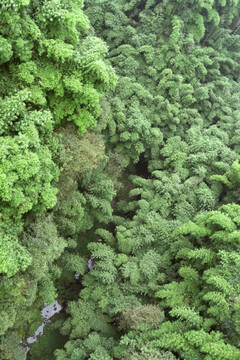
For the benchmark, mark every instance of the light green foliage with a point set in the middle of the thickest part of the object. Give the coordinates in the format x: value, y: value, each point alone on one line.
x: 13, y: 256
x: 28, y: 173
x: 166, y: 242
x: 52, y: 71
x: 27, y: 167
x: 191, y: 344
x: 203, y: 250
x: 148, y: 355
x: 68, y: 75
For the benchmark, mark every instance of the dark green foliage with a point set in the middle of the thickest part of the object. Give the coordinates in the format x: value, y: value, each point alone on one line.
x: 85, y: 192
x: 135, y: 224
x: 175, y: 101
x: 47, y: 344
x: 85, y: 318
x: 10, y: 348
x: 20, y: 294
x: 95, y: 346
x: 168, y: 82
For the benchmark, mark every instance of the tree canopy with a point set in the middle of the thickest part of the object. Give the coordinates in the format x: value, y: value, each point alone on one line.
x: 119, y: 178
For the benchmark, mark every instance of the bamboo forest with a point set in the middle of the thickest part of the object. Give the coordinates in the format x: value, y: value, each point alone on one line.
x: 120, y: 179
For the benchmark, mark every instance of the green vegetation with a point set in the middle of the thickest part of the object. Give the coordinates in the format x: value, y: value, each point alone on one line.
x: 119, y: 162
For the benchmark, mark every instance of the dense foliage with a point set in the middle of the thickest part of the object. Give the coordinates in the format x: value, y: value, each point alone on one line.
x: 52, y: 71
x: 129, y: 181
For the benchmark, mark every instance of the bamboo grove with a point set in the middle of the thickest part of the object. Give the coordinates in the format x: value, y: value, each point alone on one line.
x: 119, y: 143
